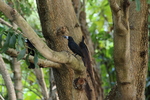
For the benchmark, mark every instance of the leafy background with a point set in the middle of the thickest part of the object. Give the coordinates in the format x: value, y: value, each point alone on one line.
x: 99, y: 19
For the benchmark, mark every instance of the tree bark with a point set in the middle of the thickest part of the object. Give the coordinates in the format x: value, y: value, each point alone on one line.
x: 130, y: 49
x: 7, y: 80
x: 139, y: 45
x: 17, y: 78
x: 79, y: 8
x: 58, y: 19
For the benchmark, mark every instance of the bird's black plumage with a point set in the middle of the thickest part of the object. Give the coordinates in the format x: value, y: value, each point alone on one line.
x: 82, y: 45
x: 87, y: 59
x: 73, y: 46
x: 31, y: 52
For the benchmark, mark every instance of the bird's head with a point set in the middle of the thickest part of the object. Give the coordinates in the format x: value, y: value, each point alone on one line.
x: 67, y: 37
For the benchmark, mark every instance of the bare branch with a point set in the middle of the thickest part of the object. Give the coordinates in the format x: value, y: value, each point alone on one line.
x: 114, y: 6
x: 120, y: 11
x: 1, y: 98
x: 40, y: 78
x: 9, y: 25
x: 53, y: 93
x: 7, y: 79
x: 41, y: 62
x: 33, y: 90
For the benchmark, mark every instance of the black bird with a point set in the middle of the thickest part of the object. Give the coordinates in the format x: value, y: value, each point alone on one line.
x: 73, y: 46
x: 31, y: 52
x: 87, y: 59
x: 85, y: 53
x: 82, y: 45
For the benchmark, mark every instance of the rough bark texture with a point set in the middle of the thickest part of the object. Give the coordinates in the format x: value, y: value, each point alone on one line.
x: 123, y: 66
x: 7, y: 80
x: 57, y: 19
x: 17, y: 79
x: 79, y: 8
x: 139, y: 46
x: 130, y: 49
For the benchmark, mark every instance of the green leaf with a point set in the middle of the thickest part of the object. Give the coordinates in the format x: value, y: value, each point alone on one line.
x: 6, y: 44
x: 36, y: 59
x: 21, y: 54
x: 12, y: 41
x: 8, y: 37
x: 20, y: 40
x: 4, y: 48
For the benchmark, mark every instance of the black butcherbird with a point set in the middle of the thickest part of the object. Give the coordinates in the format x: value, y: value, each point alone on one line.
x: 31, y: 52
x: 73, y: 46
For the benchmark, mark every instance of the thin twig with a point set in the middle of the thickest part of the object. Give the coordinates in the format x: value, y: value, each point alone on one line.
x: 9, y: 25
x: 1, y: 98
x: 35, y: 92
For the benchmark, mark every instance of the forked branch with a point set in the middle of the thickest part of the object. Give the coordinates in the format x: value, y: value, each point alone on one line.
x: 28, y: 32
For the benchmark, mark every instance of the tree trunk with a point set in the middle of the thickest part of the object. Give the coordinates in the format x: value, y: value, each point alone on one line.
x: 79, y: 8
x: 139, y: 46
x: 58, y: 19
x: 130, y: 49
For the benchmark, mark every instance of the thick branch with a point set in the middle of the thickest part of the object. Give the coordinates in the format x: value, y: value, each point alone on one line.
x: 9, y: 25
x: 114, y: 6
x: 12, y: 14
x: 120, y: 15
x: 28, y: 32
x: 7, y: 79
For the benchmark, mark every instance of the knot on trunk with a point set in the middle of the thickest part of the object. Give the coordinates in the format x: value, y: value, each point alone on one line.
x: 79, y: 83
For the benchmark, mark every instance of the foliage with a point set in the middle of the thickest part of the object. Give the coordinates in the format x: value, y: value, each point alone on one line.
x: 100, y: 26
x: 10, y: 39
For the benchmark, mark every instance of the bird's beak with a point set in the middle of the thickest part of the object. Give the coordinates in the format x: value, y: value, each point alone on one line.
x: 66, y: 37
